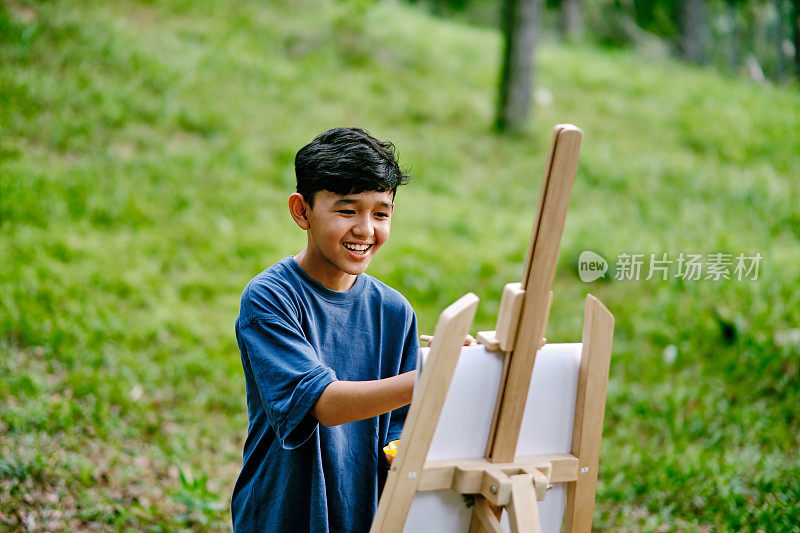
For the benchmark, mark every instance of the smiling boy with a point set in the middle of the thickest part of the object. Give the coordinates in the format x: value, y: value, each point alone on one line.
x: 328, y: 351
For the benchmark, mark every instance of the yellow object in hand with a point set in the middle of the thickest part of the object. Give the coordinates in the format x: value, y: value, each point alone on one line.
x: 391, y: 448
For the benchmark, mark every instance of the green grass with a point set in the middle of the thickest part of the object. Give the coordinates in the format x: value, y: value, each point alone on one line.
x: 146, y: 156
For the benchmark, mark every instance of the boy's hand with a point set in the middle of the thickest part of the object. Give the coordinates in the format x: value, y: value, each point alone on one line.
x: 469, y: 340
x: 390, y: 450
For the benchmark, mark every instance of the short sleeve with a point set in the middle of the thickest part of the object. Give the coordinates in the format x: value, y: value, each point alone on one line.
x: 289, y: 375
x: 407, y: 364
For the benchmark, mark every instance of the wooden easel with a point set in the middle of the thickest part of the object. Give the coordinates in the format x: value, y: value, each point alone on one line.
x: 500, y: 479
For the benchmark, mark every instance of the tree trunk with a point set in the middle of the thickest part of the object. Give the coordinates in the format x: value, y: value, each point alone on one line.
x: 694, y: 30
x: 572, y: 19
x: 780, y: 62
x: 733, y: 49
x: 796, y: 35
x: 520, y: 26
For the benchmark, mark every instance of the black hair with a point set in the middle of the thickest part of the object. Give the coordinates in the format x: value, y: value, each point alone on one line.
x: 347, y: 161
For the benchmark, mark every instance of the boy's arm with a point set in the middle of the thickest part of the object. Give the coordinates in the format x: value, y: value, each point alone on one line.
x: 348, y: 401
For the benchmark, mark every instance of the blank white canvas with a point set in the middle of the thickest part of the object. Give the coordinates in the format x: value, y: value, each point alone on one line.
x: 463, y: 430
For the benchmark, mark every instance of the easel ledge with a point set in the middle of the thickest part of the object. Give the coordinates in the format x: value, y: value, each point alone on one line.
x: 467, y: 475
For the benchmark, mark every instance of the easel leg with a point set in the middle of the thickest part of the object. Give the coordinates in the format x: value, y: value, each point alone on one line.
x: 485, y: 513
x: 403, y: 478
x: 477, y: 524
x: 523, y: 511
x: 598, y: 331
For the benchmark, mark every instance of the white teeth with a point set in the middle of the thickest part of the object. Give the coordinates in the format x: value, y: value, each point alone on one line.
x: 357, y: 247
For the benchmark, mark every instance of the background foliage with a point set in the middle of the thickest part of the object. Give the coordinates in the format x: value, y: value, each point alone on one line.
x: 146, y: 155
x: 756, y: 38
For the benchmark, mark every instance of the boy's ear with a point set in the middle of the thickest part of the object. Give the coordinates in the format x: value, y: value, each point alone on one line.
x: 298, y: 208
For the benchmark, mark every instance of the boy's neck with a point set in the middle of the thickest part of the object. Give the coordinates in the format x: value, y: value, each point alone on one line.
x: 326, y: 274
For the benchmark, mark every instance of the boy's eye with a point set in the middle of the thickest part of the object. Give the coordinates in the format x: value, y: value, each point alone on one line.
x: 346, y: 211
x: 382, y: 215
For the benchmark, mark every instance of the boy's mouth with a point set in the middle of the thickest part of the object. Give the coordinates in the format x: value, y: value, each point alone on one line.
x: 358, y: 249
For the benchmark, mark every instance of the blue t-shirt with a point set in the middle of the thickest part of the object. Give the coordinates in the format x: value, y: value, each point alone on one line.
x: 296, y: 337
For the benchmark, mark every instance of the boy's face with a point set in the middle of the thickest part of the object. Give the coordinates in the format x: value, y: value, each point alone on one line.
x: 344, y: 233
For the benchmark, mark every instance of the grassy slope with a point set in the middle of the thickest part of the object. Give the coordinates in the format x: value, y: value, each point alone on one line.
x: 146, y: 156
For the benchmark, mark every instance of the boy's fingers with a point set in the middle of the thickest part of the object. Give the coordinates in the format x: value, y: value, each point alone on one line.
x: 469, y: 340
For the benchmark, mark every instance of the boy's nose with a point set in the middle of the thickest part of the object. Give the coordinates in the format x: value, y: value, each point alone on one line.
x: 363, y: 228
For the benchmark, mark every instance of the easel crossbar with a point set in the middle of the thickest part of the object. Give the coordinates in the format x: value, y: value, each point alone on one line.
x: 467, y: 475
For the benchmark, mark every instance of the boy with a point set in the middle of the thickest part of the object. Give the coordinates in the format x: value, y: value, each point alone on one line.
x: 328, y: 351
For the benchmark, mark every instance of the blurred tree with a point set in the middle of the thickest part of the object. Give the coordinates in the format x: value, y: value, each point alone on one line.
x: 796, y: 35
x: 443, y: 8
x: 761, y: 37
x: 694, y: 30
x: 520, y: 21
x: 658, y: 17
x: 732, y: 53
x: 780, y: 56
x: 572, y: 19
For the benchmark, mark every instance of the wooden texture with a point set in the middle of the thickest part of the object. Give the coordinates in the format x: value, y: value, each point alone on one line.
x: 497, y: 404
x: 548, y: 166
x: 489, y: 340
x: 540, y: 480
x: 465, y: 475
x: 543, y: 256
x: 587, y: 432
x: 423, y: 415
x: 495, y: 487
x: 508, y: 316
x: 523, y: 511
x: 502, y: 339
x: 484, y: 513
